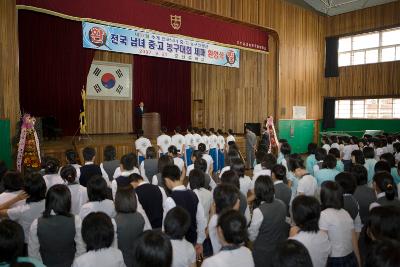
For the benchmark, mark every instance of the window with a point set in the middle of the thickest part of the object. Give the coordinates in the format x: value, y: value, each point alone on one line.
x: 369, y: 48
x: 376, y: 108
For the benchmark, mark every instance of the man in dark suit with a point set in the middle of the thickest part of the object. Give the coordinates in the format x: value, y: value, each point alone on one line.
x: 139, y: 111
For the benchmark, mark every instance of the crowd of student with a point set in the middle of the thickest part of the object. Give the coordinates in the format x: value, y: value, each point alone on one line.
x: 189, y: 202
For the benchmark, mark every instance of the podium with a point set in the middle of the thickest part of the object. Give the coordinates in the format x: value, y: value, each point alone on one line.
x: 151, y: 124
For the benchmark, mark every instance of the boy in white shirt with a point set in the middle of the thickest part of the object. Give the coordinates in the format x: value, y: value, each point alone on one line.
x: 189, y: 145
x: 163, y: 142
x: 197, y: 137
x: 208, y: 158
x: 141, y: 144
x: 230, y: 137
x: 178, y: 140
x: 346, y: 153
x: 205, y: 139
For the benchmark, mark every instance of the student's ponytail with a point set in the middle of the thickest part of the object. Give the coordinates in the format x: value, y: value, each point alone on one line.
x: 385, y: 183
x: 390, y: 192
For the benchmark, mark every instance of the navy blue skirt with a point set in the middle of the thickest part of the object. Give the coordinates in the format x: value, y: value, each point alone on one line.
x: 346, y: 261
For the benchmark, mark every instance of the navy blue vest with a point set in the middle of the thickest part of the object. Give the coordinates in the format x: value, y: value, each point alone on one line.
x: 87, y: 172
x: 151, y: 199
x: 189, y: 201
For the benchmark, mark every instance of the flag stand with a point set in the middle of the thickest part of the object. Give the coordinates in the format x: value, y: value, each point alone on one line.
x: 83, y: 135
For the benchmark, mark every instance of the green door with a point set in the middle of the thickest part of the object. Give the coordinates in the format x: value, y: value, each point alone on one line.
x: 299, y: 133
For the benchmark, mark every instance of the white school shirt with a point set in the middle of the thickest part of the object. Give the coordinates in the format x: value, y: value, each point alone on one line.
x: 221, y: 142
x: 103, y: 173
x: 183, y: 253
x: 230, y: 138
x: 200, y: 218
x: 77, y: 169
x: 205, y: 140
x: 347, y: 149
x: 390, y: 148
x: 258, y: 174
x: 307, y: 185
x: 340, y: 227
x: 164, y: 141
x: 189, y: 169
x: 179, y: 162
x: 326, y: 147
x: 209, y: 161
x: 197, y: 140
x: 213, y: 141
x: 245, y: 185
x: 231, y: 258
x: 106, y: 206
x: 317, y: 244
x: 378, y: 152
x: 257, y: 168
x: 118, y: 173
x: 189, y: 141
x: 206, y: 199
x: 79, y: 197
x: 335, y: 145
x: 397, y: 157
x: 26, y: 214
x: 52, y: 179
x: 178, y: 140
x: 141, y: 145
x: 212, y: 233
x: 6, y: 196
x: 105, y: 257
x: 316, y: 166
x: 34, y: 244
x: 376, y: 204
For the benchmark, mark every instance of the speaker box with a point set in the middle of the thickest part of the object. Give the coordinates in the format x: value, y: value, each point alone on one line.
x: 254, y: 127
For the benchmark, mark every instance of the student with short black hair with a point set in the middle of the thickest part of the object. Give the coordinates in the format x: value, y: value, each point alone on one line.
x: 339, y: 226
x: 282, y: 190
x: 328, y: 170
x: 232, y: 233
x: 98, y: 235
x: 98, y: 198
x: 141, y: 145
x: 370, y: 161
x: 382, y: 166
x: 176, y: 224
x: 292, y: 253
x: 149, y: 166
x: 310, y: 161
x: 163, y: 161
x: 201, y: 164
x: 56, y: 249
x: 12, y: 246
x: 110, y: 163
x: 79, y: 194
x: 51, y: 176
x: 197, y: 184
x: 325, y: 143
x: 230, y: 155
x: 180, y: 196
x: 336, y: 153
x: 357, y: 157
x: 269, y: 161
x: 210, y: 162
x: 389, y: 158
x: 153, y: 249
x: 90, y: 169
x: 226, y: 196
x: 307, y: 184
x: 246, y: 185
x: 130, y: 223
x: 285, y: 149
x: 268, y: 225
x: 13, y: 184
x: 71, y: 156
x: 34, y: 194
x: 385, y: 189
x: 384, y: 223
x: 174, y: 154
x: 126, y: 167
x: 306, y: 213
x: 260, y: 154
x: 385, y: 253
x: 196, y: 155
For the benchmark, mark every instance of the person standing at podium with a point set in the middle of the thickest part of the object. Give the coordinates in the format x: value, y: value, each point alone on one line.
x: 139, y: 111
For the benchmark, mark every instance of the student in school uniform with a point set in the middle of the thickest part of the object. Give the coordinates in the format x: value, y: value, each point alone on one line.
x: 97, y: 193
x: 98, y: 235
x: 291, y: 253
x: 153, y: 249
x: 151, y: 198
x: 310, y: 161
x: 196, y: 137
x: 282, y: 190
x: 157, y: 179
x: 178, y: 140
x: 306, y: 213
x: 79, y: 194
x: 238, y: 166
x: 334, y: 142
x: 384, y: 253
x: 182, y: 197
x: 357, y: 157
x: 207, y: 157
x: 221, y: 149
x: 55, y: 238
x: 226, y: 197
x: 325, y: 143
x: 285, y: 149
x: 213, y: 146
x: 205, y: 139
x: 384, y: 223
x: 195, y: 156
x: 90, y: 169
x: 385, y: 190
x: 189, y: 145
x: 280, y: 156
x: 51, y: 176
x: 230, y: 155
x: 13, y: 184
x: 389, y: 158
x: 268, y: 162
x: 396, y: 148
x: 71, y: 157
x: 149, y: 167
x: 268, y: 225
x: 135, y: 169
x: 339, y: 226
x: 141, y: 145
x: 127, y: 167
x: 34, y: 195
x: 174, y: 154
x: 328, y: 171
x: 293, y: 181
x: 339, y: 164
x: 12, y: 246
x: 370, y: 161
x: 232, y: 233
x: 110, y: 163
x: 176, y: 225
x: 307, y: 184
x: 320, y: 155
x: 346, y: 153
x: 197, y: 185
x: 201, y: 164
x: 260, y: 154
x: 230, y: 137
x: 163, y: 142
x: 130, y: 223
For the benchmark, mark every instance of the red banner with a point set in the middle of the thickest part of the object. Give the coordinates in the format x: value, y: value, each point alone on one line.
x: 150, y: 16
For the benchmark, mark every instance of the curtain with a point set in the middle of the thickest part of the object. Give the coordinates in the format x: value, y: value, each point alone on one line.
x: 328, y: 113
x: 164, y: 85
x: 53, y: 67
x: 331, y: 57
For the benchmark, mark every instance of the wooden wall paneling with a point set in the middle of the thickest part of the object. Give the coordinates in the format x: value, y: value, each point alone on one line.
x: 9, y: 71
x: 110, y: 116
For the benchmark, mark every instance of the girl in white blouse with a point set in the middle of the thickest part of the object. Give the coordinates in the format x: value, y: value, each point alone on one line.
x: 79, y: 194
x: 51, y: 176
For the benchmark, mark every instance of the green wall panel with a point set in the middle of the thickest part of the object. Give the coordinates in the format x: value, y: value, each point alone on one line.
x: 389, y: 126
x: 299, y: 133
x: 5, y: 144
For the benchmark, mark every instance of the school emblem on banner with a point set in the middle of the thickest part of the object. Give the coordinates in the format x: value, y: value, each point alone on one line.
x: 109, y: 81
x: 176, y: 22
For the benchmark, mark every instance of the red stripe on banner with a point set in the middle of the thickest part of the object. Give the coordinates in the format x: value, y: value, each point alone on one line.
x: 154, y: 17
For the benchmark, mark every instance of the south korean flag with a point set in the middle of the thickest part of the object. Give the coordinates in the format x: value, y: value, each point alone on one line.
x: 109, y: 81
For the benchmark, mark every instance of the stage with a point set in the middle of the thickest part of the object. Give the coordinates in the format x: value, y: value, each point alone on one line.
x: 124, y: 143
